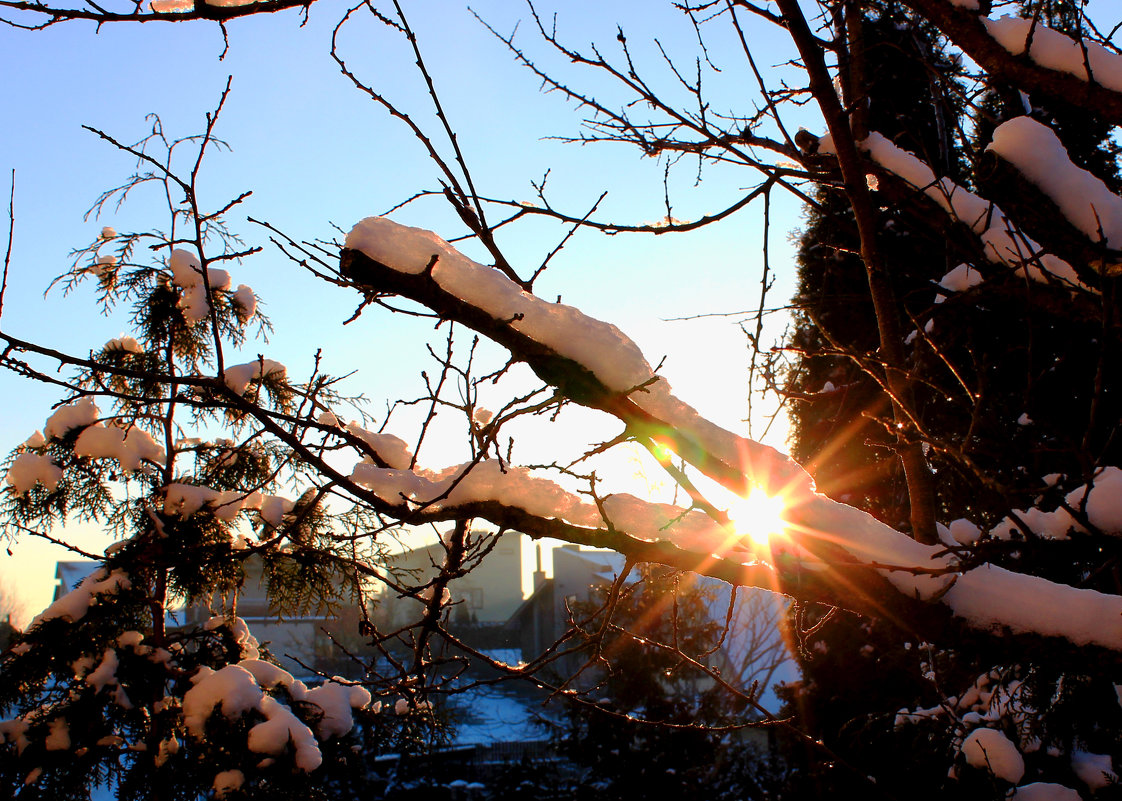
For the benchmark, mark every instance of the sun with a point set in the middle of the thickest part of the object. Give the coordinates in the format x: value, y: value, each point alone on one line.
x: 759, y: 517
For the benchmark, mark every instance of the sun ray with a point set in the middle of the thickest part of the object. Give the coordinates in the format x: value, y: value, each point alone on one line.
x: 758, y: 517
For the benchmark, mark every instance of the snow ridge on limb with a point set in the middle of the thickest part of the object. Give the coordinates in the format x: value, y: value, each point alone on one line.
x: 1001, y: 241
x: 592, y: 362
x: 1072, y: 197
x: 1054, y: 67
x: 598, y: 366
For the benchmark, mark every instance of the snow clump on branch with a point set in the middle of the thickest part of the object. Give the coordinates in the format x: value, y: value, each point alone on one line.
x: 1085, y: 201
x: 1055, y: 51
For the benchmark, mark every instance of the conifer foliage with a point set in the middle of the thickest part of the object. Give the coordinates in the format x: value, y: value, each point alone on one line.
x: 1007, y: 381
x: 108, y: 687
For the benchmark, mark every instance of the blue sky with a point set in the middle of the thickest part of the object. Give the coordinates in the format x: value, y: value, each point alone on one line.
x: 316, y: 152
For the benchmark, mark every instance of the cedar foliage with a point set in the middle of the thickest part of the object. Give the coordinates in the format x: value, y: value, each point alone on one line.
x: 1034, y: 409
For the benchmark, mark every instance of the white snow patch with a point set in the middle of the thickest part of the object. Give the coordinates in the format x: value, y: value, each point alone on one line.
x: 171, y: 6
x: 238, y: 376
x: 58, y: 736
x: 29, y: 469
x: 129, y: 449
x: 74, y: 605
x: 1044, y: 791
x: 280, y: 728
x: 226, y: 781
x: 123, y: 343
x: 245, y: 302
x: 992, y: 750
x: 390, y: 449
x: 1094, y: 770
x: 1036, y: 151
x: 960, y: 279
x: 80, y: 413
x: 1055, y: 51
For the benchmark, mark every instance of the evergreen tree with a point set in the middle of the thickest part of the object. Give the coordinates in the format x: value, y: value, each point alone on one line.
x: 107, y: 686
x: 1005, y: 391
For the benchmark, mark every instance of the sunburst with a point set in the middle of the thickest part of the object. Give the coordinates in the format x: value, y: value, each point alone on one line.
x: 758, y: 517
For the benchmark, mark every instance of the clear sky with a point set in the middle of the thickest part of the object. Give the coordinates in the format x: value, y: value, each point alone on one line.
x: 315, y: 153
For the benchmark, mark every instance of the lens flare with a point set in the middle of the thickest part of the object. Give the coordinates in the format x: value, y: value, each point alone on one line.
x: 759, y: 517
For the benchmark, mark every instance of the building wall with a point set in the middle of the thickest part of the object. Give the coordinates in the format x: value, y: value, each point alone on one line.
x: 490, y: 593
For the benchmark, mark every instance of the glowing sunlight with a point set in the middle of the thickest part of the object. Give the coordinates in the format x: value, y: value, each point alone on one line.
x: 759, y: 516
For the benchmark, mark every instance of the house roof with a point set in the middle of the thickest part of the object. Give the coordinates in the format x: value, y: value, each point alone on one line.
x: 69, y: 574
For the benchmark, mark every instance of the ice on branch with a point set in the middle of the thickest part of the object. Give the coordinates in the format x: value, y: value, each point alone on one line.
x: 518, y: 488
x: 1036, y: 151
x: 994, y: 598
x: 1055, y: 51
x: 74, y: 605
x: 80, y: 413
x: 30, y: 469
x: 129, y: 449
x: 1003, y: 243
x: 485, y: 481
x: 599, y: 347
x: 987, y: 597
x: 238, y: 376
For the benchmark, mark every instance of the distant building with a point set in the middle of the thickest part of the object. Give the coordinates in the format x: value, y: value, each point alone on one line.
x: 544, y: 617
x: 70, y: 574
x: 302, y: 643
x: 489, y: 594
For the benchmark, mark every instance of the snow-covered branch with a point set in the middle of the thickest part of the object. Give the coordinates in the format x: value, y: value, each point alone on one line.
x: 593, y: 363
x: 1082, y: 73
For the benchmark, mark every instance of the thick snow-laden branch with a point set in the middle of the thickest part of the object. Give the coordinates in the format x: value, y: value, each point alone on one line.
x: 1056, y: 65
x: 597, y: 365
x: 590, y: 361
x: 1001, y: 241
x: 1049, y: 49
x: 1073, y: 212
